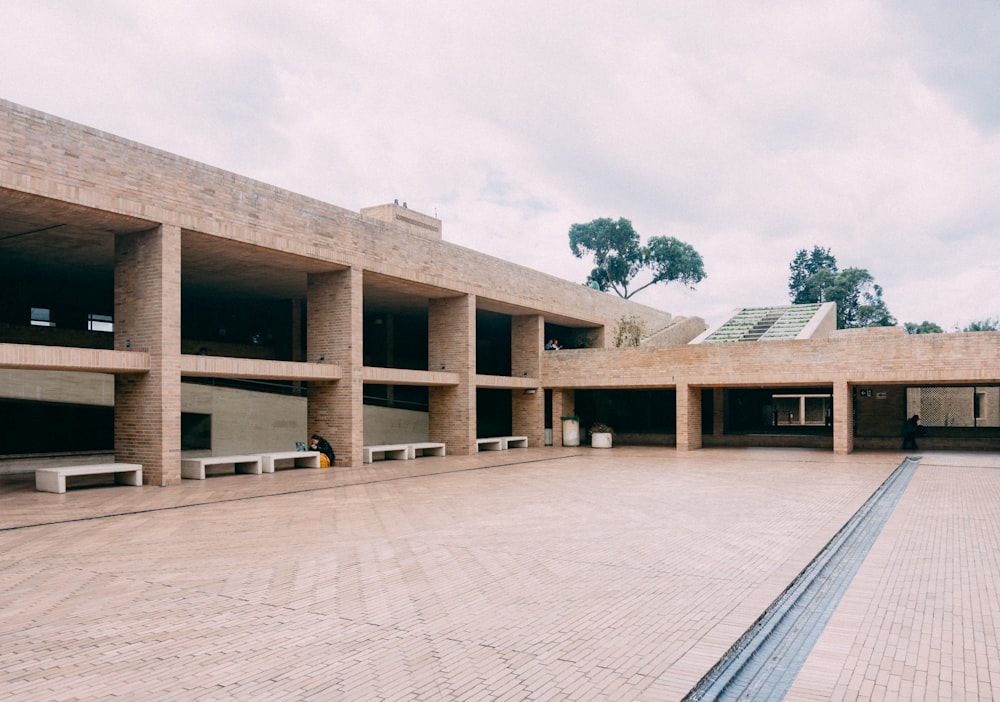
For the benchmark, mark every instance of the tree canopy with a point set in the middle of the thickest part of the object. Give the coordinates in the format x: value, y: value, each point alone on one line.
x: 924, y: 327
x: 988, y: 324
x: 816, y: 278
x: 619, y: 257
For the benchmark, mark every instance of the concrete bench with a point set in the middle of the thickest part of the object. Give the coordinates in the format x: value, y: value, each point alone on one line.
x: 194, y: 468
x: 397, y: 451
x: 54, y: 479
x: 289, y: 459
x: 501, y: 443
x: 426, y: 448
x: 490, y: 444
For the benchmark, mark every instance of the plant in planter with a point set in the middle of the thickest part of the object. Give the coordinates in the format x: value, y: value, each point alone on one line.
x: 601, y: 435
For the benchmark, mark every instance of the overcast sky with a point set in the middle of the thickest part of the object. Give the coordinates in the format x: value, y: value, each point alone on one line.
x: 747, y: 129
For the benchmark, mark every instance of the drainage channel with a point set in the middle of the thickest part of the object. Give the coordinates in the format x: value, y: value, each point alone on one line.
x: 762, y: 664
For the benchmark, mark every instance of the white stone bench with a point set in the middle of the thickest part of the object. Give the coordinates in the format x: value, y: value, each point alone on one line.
x: 397, y: 451
x: 194, y: 468
x: 490, y: 444
x: 501, y: 443
x: 54, y: 479
x: 289, y: 459
x: 426, y: 448
x: 514, y: 441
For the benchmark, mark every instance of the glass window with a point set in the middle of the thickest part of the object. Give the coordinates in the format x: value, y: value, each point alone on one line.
x: 41, y: 317
x: 100, y: 322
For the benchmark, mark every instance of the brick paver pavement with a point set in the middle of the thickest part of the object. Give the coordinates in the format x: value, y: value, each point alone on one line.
x: 541, y: 574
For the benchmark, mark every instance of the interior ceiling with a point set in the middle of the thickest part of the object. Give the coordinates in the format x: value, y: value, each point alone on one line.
x: 54, y: 236
x: 60, y: 239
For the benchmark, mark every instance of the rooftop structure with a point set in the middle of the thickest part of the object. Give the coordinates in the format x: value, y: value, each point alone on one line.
x: 773, y: 324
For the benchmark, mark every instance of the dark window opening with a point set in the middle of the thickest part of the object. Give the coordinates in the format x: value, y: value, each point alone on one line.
x: 494, y: 412
x: 196, y: 431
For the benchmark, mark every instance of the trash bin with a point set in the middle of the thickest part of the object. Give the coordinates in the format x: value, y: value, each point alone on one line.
x: 570, y: 431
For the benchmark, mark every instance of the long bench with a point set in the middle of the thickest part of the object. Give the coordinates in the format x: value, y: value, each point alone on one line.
x: 426, y: 448
x: 515, y: 441
x: 501, y: 443
x: 490, y: 444
x: 289, y: 459
x: 194, y: 468
x: 54, y: 479
x: 398, y: 451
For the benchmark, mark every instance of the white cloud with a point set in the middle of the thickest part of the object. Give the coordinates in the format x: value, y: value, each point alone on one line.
x: 749, y: 130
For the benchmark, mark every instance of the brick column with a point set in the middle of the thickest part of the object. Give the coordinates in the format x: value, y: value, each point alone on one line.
x: 527, y: 338
x: 334, y: 333
x: 843, y: 418
x: 148, y: 318
x: 688, y: 417
x: 451, y: 347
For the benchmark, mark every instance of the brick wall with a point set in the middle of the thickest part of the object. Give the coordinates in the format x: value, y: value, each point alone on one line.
x: 856, y: 359
x: 54, y: 158
x: 48, y: 164
x: 334, y: 319
x: 451, y: 331
x: 527, y: 342
x: 147, y: 319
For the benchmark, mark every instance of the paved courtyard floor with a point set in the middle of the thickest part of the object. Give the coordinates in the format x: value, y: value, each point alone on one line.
x: 530, y: 574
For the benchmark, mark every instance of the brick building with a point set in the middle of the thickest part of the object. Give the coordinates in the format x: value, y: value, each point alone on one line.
x: 152, y: 306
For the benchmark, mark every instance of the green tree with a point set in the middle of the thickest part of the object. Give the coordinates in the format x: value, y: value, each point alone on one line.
x: 812, y: 271
x: 988, y: 324
x: 816, y: 278
x: 924, y: 327
x: 619, y: 257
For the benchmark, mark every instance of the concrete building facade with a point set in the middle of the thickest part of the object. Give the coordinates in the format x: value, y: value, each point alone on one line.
x: 141, y: 290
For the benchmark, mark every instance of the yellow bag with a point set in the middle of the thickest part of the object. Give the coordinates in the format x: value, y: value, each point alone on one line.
x: 324, y: 461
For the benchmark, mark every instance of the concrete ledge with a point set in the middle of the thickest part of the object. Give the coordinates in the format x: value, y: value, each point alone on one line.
x: 257, y: 369
x: 68, y: 358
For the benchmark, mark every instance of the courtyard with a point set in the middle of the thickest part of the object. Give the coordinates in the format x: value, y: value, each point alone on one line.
x: 534, y: 574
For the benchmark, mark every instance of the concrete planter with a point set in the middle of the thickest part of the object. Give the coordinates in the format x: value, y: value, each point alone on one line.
x: 600, y: 439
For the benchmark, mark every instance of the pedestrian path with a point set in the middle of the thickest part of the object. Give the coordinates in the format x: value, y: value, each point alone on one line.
x: 566, y: 575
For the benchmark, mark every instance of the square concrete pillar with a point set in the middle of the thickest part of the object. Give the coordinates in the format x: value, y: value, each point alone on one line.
x: 688, y: 417
x: 148, y: 318
x: 527, y: 340
x: 451, y: 347
x: 843, y: 418
x: 334, y: 335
